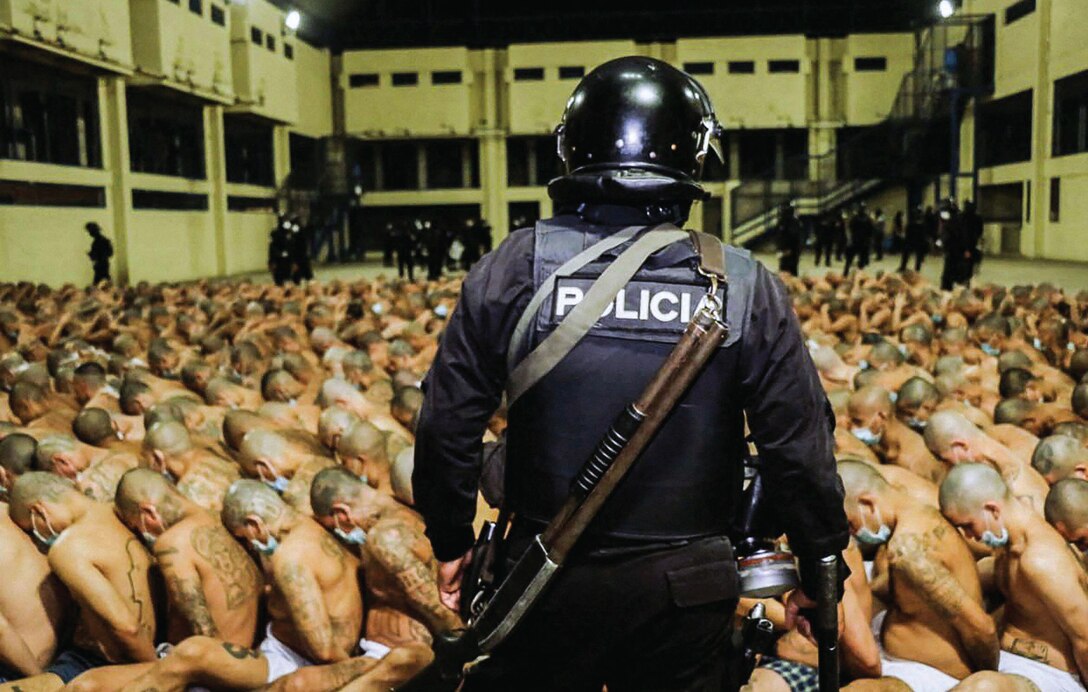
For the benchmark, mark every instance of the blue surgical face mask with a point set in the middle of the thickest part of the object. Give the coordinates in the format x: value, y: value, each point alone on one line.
x: 279, y: 484
x: 990, y: 540
x: 354, y: 537
x: 45, y: 541
x: 904, y: 350
x: 867, y: 536
x: 377, y: 308
x: 867, y: 436
x: 441, y: 310
x: 937, y: 319
x: 916, y: 424
x: 863, y: 364
x: 265, y: 549
x: 894, y: 396
x: 148, y: 538
x: 990, y: 350
x: 1037, y: 343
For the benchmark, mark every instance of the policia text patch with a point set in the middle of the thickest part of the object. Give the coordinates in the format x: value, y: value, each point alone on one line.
x: 651, y: 310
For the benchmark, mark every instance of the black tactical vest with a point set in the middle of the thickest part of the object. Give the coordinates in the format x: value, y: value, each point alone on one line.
x: 687, y: 482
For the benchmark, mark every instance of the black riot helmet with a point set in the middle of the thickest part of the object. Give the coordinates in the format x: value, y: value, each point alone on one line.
x: 638, y: 113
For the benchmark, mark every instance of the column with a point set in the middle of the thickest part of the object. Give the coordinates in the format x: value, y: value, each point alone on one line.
x: 215, y: 158
x: 1041, y: 125
x: 114, y: 130
x: 493, y: 150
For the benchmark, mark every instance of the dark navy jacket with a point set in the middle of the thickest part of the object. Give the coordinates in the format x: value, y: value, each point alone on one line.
x: 687, y: 482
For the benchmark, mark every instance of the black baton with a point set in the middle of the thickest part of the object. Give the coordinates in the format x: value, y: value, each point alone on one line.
x: 827, y: 623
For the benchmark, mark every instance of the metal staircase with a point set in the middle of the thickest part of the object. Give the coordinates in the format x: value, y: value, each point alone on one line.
x: 917, y: 143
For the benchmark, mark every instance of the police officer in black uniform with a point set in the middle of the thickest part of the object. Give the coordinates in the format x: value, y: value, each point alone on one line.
x: 279, y: 251
x: 646, y: 600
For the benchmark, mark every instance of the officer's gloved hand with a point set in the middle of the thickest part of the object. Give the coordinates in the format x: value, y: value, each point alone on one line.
x: 800, y: 613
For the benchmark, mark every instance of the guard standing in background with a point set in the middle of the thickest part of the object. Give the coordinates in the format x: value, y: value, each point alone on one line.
x: 100, y: 253
x: 646, y: 599
x: 279, y: 251
x: 403, y: 246
x: 915, y: 240
x: 301, y: 237
x: 790, y: 239
x: 957, y: 250
x: 861, y: 239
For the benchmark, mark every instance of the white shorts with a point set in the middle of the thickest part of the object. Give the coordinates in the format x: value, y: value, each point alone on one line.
x: 918, y: 676
x: 283, y: 660
x: 1047, y: 678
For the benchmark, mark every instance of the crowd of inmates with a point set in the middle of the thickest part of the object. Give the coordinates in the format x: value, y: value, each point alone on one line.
x: 208, y: 485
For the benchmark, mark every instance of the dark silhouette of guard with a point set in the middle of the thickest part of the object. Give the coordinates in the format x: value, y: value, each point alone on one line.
x: 301, y: 239
x: 646, y: 600
x: 279, y: 251
x: 404, y: 247
x: 915, y: 240
x: 100, y: 253
x: 860, y: 239
x: 791, y: 238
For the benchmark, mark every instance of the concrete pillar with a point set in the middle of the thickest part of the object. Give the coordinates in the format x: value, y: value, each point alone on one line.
x: 421, y: 166
x: 779, y: 155
x: 216, y: 165
x: 115, y: 156
x: 1041, y: 126
x: 281, y: 154
x: 821, y: 151
x: 466, y: 164
x: 493, y: 150
x: 733, y: 154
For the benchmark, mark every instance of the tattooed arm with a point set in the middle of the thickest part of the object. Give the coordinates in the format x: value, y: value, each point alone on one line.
x: 397, y: 546
x: 304, y: 600
x: 909, y: 558
x: 92, y: 590
x: 185, y: 589
x: 1060, y: 587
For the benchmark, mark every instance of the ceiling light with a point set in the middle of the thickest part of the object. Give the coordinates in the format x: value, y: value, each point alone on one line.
x: 294, y: 18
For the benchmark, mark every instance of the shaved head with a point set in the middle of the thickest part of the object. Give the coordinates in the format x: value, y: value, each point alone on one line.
x: 37, y: 486
x: 914, y: 393
x: 400, y: 475
x: 247, y: 498
x: 17, y: 452
x: 332, y: 486
x: 169, y: 437
x: 1080, y: 400
x: 870, y: 400
x: 859, y: 478
x: 363, y: 440
x: 1067, y: 502
x: 263, y: 445
x: 333, y: 423
x: 144, y: 486
x: 51, y: 446
x: 968, y: 487
x: 946, y: 427
x: 94, y: 426
x: 237, y: 423
x: 1013, y: 411
x: 1058, y: 456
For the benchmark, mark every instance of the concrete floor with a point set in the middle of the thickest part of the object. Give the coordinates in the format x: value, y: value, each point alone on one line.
x: 1009, y: 271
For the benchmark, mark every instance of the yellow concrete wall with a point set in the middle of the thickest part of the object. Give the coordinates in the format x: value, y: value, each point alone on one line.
x: 95, y: 31
x: 535, y: 107
x: 1067, y: 238
x: 425, y: 109
x: 752, y: 100
x: 186, y: 50
x: 869, y: 96
x: 313, y: 71
x: 247, y: 240
x: 264, y: 80
x: 171, y: 245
